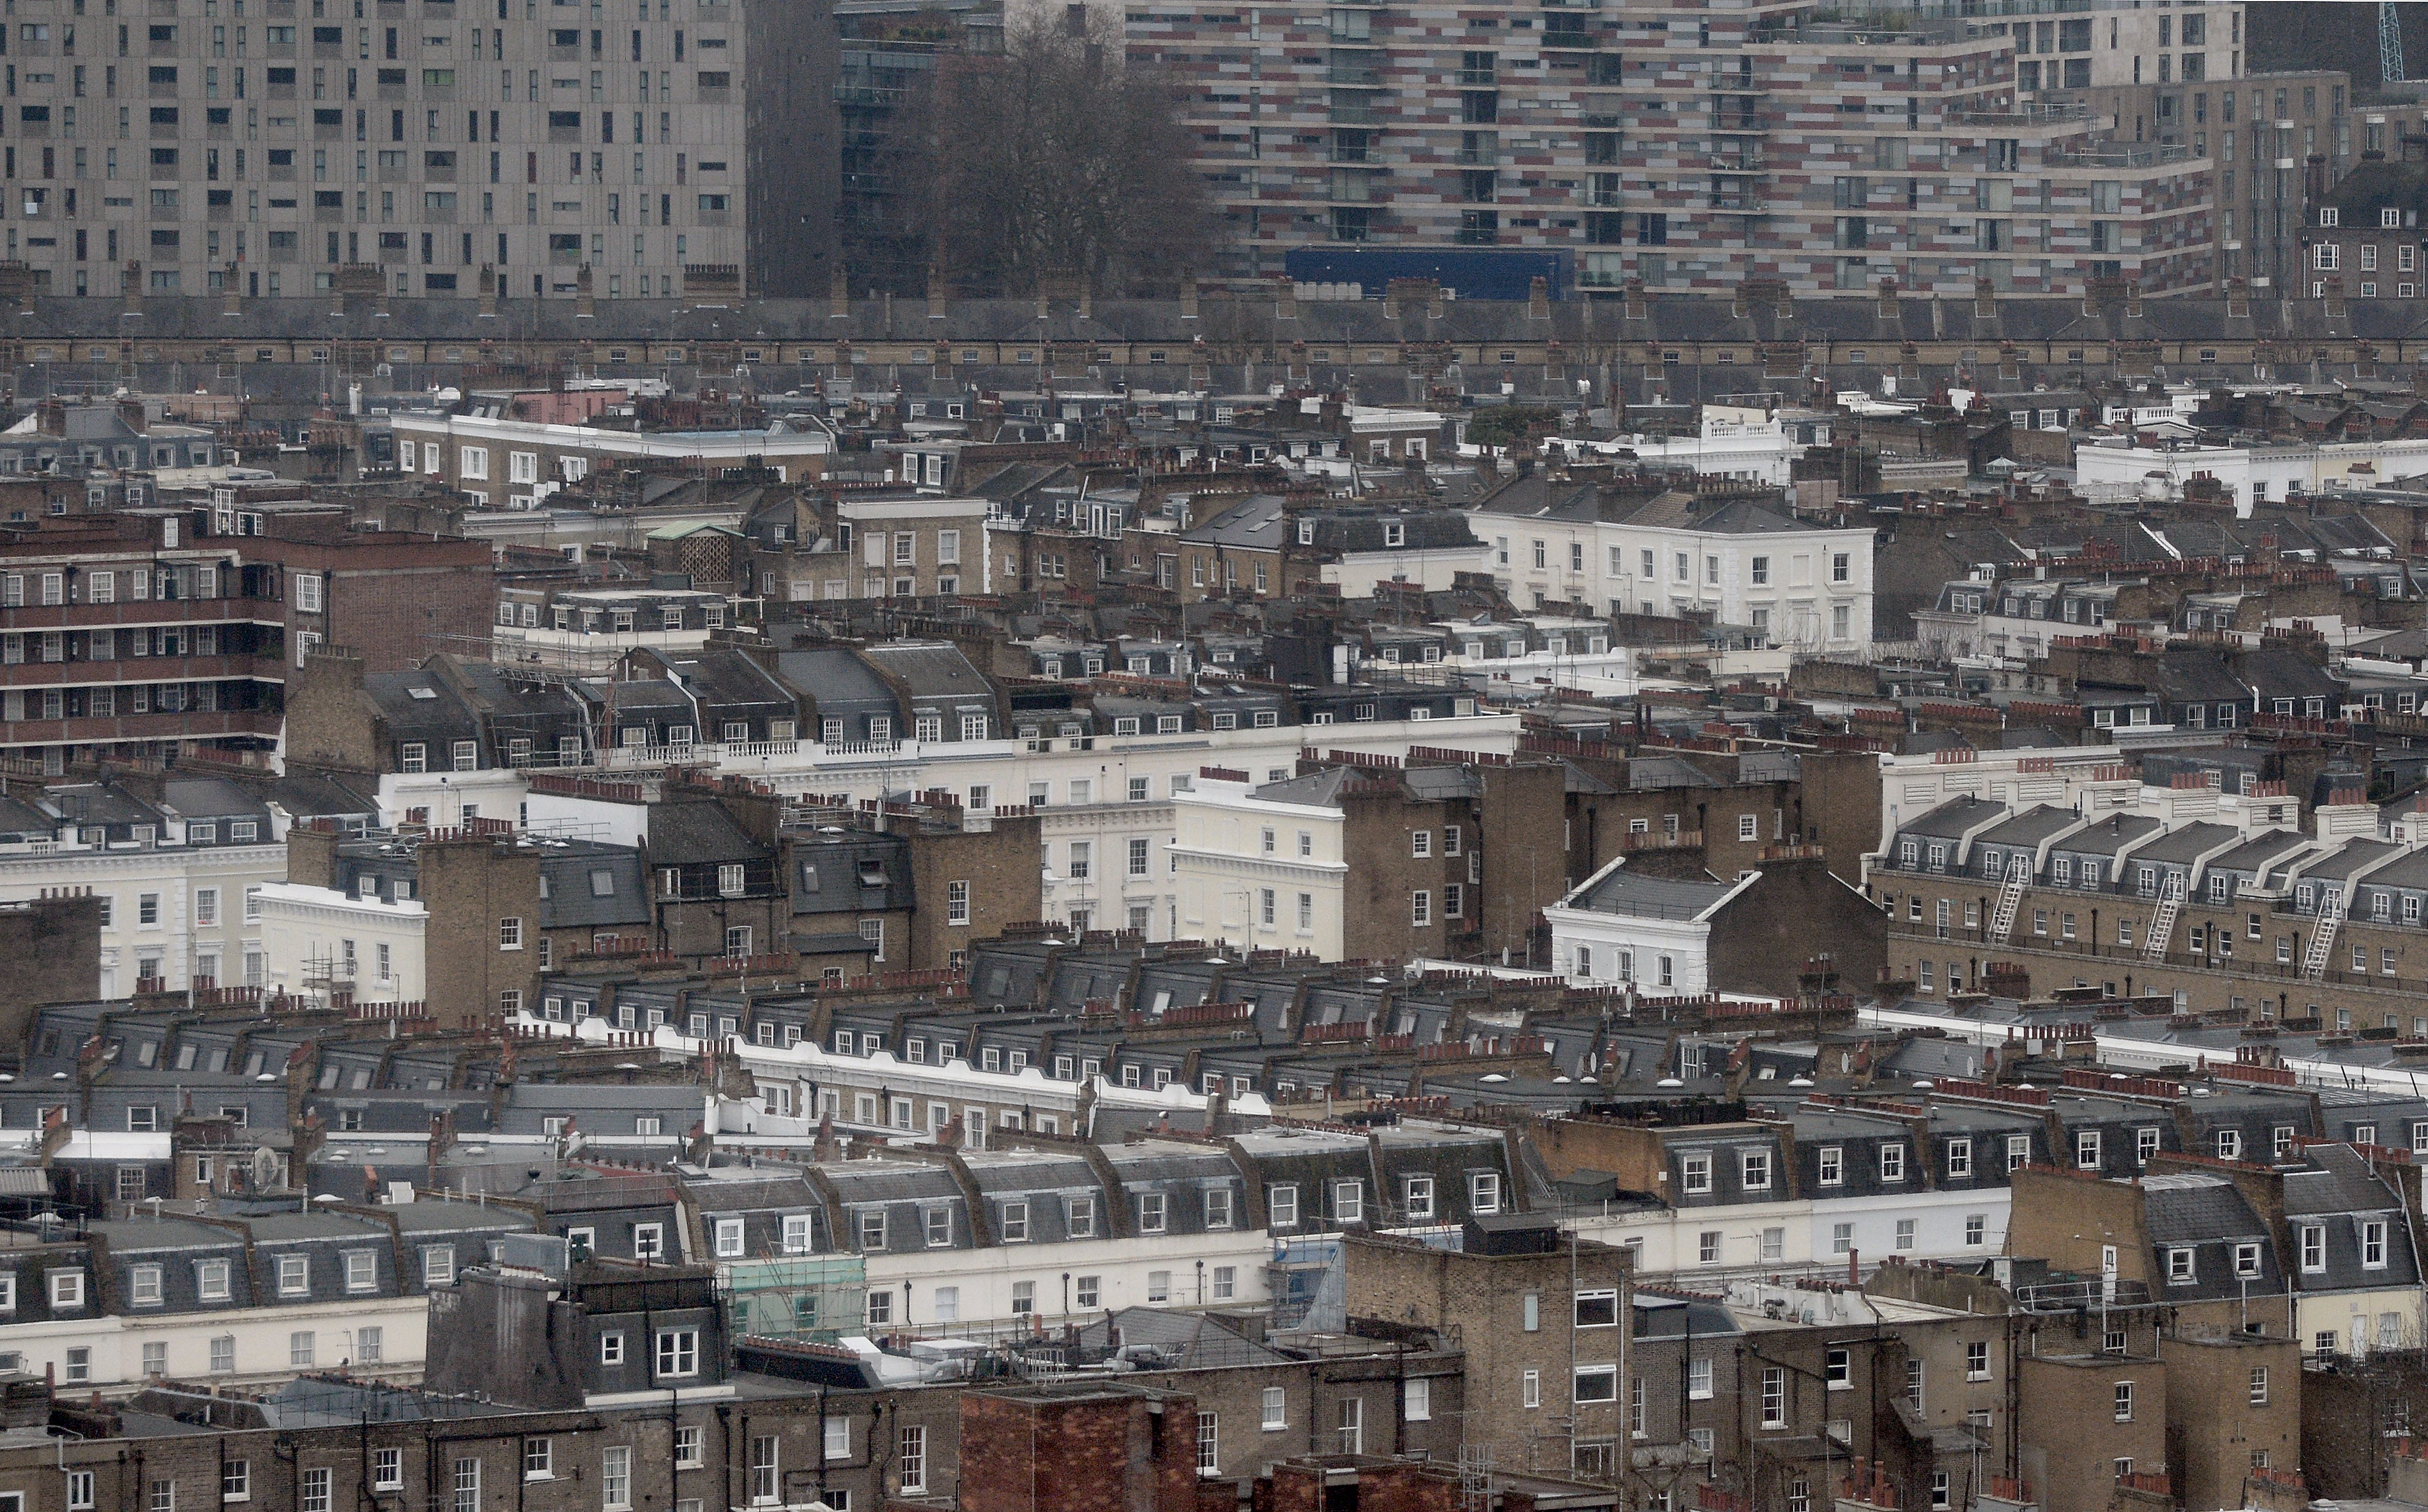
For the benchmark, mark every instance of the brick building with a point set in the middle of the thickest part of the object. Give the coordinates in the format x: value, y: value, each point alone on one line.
x: 2179, y: 890
x: 1359, y: 858
x: 1545, y: 1319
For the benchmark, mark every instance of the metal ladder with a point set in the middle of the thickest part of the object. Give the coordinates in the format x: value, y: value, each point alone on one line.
x: 2162, y: 924
x: 2011, y: 898
x: 2322, y: 939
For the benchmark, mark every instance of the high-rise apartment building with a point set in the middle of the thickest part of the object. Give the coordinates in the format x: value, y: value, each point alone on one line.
x: 304, y: 146
x: 1691, y: 149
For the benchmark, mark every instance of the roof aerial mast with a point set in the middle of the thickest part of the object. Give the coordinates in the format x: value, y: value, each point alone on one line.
x: 2389, y: 44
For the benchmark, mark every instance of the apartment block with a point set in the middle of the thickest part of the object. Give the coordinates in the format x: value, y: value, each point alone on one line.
x: 421, y: 153
x: 1692, y: 153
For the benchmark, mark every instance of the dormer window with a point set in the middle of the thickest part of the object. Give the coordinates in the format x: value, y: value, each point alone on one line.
x: 1306, y: 533
x: 1395, y: 534
x: 2389, y: 217
x: 2329, y: 215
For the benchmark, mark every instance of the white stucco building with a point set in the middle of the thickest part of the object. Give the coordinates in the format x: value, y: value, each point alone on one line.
x: 1232, y: 850
x: 1798, y: 584
x: 174, y: 913
x: 314, y: 936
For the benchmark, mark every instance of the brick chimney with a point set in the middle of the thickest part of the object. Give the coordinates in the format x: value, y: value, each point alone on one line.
x: 2133, y: 299
x: 1636, y: 308
x: 1985, y: 299
x: 1188, y: 299
x: 586, y: 305
x: 2335, y: 296
x: 838, y: 295
x: 1539, y: 300
x: 1286, y: 299
x: 1889, y: 310
x: 2237, y: 298
x: 130, y: 285
x: 936, y: 291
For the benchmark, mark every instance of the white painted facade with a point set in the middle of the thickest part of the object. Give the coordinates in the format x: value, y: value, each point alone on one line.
x: 312, y: 934
x: 1106, y: 862
x: 1170, y: 1270
x: 177, y: 910
x: 2111, y: 470
x: 1661, y: 951
x: 267, y: 1342
x: 477, y: 453
x: 1732, y: 442
x: 1808, y: 589
x: 1434, y: 568
x: 1231, y: 852
x: 1103, y: 792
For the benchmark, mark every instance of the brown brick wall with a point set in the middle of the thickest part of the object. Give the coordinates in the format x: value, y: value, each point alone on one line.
x: 469, y: 885
x: 1521, y: 830
x: 1383, y: 874
x: 2213, y: 1427
x: 1006, y: 886
x: 1798, y: 909
x: 331, y: 722
x: 2212, y: 980
x: 1483, y: 1298
x: 1842, y: 807
x: 1100, y: 1449
x: 2068, y: 1438
x: 53, y: 948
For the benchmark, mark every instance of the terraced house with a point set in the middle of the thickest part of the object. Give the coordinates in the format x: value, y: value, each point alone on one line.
x: 2215, y: 898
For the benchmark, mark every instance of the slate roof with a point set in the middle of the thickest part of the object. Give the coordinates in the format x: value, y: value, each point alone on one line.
x: 590, y: 885
x: 2184, y: 1207
x: 687, y: 830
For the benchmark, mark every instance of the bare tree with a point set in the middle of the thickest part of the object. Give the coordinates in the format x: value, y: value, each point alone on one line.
x: 1053, y: 160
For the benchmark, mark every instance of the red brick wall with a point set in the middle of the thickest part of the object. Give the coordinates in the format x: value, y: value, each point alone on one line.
x: 1101, y: 1452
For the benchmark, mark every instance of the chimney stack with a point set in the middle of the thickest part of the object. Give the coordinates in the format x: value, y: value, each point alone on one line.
x: 2237, y: 298
x: 1286, y: 299
x: 838, y: 295
x: 585, y: 305
x: 936, y: 295
x: 1539, y: 300
x: 1636, y: 308
x: 488, y: 291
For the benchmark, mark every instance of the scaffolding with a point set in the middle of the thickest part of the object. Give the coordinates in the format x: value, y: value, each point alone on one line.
x: 814, y: 1297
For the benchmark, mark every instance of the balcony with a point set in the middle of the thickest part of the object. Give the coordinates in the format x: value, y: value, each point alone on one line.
x: 1356, y: 75
x: 868, y: 96
x: 1478, y: 78
x: 1479, y: 156
x: 1573, y: 39
x: 2121, y: 154
x: 139, y: 669
x: 1740, y: 204
x: 1360, y: 113
x: 191, y: 724
x: 141, y: 611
